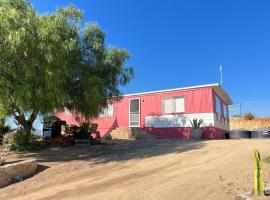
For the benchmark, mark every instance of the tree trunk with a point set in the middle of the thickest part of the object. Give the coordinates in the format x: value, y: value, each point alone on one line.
x: 26, y: 124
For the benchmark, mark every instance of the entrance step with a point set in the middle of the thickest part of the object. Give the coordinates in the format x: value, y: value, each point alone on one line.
x: 131, y: 134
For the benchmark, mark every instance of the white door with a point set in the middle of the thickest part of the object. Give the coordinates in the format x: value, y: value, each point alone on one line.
x: 134, y: 112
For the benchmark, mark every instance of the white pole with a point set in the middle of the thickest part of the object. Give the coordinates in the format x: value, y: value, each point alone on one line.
x: 221, y: 81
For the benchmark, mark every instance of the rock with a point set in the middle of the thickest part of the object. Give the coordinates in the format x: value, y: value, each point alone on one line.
x: 267, y: 191
x: 244, y: 196
x: 16, y: 172
x: 30, y: 167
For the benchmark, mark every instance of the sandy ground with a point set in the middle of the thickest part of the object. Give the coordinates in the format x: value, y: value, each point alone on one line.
x: 145, y: 170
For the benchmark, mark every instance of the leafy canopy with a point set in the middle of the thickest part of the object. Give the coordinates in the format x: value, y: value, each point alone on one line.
x: 51, y: 61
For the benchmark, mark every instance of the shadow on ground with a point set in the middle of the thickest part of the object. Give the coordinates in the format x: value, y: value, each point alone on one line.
x: 39, y: 169
x: 116, y: 151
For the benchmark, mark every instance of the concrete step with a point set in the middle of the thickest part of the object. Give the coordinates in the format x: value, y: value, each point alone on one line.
x: 131, y: 134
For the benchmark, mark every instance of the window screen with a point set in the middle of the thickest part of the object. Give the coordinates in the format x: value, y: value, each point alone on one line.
x: 226, y: 111
x: 179, y: 103
x: 167, y: 105
x: 134, y: 105
x: 174, y: 105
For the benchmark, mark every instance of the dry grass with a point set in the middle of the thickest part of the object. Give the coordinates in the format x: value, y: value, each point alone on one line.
x: 240, y: 123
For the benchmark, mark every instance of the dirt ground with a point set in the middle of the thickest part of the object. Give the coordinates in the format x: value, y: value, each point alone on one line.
x: 145, y: 170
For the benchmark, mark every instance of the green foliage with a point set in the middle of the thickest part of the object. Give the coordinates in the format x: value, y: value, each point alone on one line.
x: 93, y: 127
x: 51, y: 61
x: 22, y: 141
x: 3, y: 130
x: 195, y: 123
x: 84, y: 131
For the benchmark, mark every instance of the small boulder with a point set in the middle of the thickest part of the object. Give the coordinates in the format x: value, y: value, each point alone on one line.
x: 267, y: 191
x: 29, y: 167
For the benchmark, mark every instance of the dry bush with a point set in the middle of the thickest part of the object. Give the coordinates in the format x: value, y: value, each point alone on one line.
x: 249, y: 116
x: 3, y: 155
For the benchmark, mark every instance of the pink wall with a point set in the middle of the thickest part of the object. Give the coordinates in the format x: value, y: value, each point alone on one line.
x: 184, y: 133
x: 196, y: 101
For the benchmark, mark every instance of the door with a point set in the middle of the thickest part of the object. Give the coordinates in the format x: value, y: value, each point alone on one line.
x: 134, y: 112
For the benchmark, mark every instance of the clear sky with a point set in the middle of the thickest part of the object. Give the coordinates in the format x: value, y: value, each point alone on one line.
x: 176, y: 43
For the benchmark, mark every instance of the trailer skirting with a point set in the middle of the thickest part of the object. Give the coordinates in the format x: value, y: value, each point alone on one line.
x: 184, y: 132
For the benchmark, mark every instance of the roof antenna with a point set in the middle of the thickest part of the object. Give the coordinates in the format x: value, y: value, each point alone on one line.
x: 221, y: 80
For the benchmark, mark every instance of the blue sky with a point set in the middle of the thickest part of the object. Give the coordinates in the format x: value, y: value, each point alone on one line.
x: 182, y: 43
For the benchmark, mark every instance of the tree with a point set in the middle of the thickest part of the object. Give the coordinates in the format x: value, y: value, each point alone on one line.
x: 52, y: 61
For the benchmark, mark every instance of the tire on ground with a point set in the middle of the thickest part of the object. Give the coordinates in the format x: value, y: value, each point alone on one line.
x: 260, y: 133
x: 241, y: 133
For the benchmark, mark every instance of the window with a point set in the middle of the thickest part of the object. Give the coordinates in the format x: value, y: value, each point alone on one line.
x: 168, y: 105
x: 218, y: 105
x: 173, y: 105
x: 226, y: 111
x: 107, y: 112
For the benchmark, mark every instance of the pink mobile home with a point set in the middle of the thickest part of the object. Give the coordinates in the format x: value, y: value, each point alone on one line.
x: 167, y: 113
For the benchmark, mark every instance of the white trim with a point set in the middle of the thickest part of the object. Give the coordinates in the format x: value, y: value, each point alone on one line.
x: 183, y: 120
x: 139, y: 124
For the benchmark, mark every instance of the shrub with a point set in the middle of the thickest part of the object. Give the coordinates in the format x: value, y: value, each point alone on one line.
x: 108, y: 137
x: 3, y: 130
x: 195, y: 123
x: 22, y: 141
x: 84, y: 131
x: 8, y: 141
x: 249, y: 116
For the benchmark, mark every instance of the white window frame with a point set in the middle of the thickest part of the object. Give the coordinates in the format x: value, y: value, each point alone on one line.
x: 218, y: 104
x: 225, y: 111
x: 139, y: 113
x: 173, y: 104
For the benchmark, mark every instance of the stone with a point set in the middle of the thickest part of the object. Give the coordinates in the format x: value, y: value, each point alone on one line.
x: 267, y: 191
x: 244, y: 196
x: 16, y: 172
x: 30, y: 167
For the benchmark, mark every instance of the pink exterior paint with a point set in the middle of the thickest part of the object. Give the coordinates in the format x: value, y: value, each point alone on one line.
x: 184, y: 133
x: 69, y: 118
x: 196, y: 101
x: 199, y: 100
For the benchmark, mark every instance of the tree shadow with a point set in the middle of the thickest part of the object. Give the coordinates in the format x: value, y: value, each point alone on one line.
x: 117, y: 150
x: 40, y: 168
